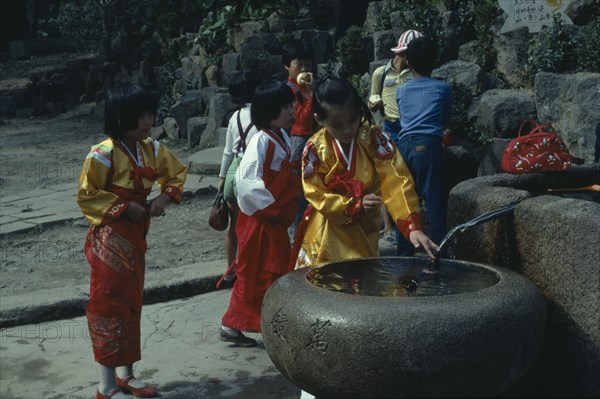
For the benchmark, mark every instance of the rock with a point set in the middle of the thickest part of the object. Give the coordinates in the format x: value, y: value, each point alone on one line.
x: 195, y: 127
x: 566, y: 102
x: 492, y: 158
x: 382, y: 43
x: 207, y: 161
x: 245, y: 31
x: 280, y: 25
x: 304, y: 23
x: 219, y: 107
x: 230, y: 62
x: 24, y: 112
x: 468, y: 74
x: 500, y: 113
x: 333, y: 68
x: 511, y: 49
x: 221, y: 136
x: 158, y: 132
x: 191, y: 72
x: 468, y: 52
x: 271, y: 67
x: 171, y: 128
x: 373, y: 65
x: 189, y: 106
x: 15, y: 93
x: 321, y: 42
x: 460, y: 164
x: 581, y: 12
x: 452, y: 37
x: 255, y: 45
x: 375, y: 11
x: 212, y: 75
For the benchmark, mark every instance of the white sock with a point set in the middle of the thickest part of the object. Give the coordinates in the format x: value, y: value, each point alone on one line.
x: 108, y: 383
x: 125, y: 372
x: 231, y: 331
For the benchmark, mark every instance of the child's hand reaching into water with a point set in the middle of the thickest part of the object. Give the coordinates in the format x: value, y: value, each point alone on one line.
x: 372, y: 202
x: 419, y: 239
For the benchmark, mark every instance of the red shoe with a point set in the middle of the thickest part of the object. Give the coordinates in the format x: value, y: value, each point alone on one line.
x: 145, y: 392
x: 109, y: 395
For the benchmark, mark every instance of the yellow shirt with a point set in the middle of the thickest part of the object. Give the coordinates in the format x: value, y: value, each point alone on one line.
x: 393, y: 80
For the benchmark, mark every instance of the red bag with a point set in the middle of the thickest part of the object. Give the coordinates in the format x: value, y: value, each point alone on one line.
x: 539, y: 151
x: 219, y: 214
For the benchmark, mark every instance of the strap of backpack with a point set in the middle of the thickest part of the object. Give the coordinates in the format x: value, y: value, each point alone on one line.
x: 385, y: 71
x: 241, y: 147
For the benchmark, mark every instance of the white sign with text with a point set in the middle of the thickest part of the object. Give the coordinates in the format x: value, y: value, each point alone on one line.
x: 532, y: 13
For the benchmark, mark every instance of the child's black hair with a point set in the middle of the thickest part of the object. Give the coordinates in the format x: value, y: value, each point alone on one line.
x: 126, y: 102
x: 297, y: 49
x: 242, y: 86
x: 422, y: 54
x: 268, y: 100
x: 338, y: 91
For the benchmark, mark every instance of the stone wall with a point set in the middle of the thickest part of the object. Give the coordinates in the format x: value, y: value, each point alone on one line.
x: 554, y: 241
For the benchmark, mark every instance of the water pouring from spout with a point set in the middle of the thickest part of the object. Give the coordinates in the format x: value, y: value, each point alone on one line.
x: 435, y: 263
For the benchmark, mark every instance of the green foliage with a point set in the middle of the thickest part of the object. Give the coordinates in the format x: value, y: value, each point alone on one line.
x: 424, y: 16
x: 553, y: 50
x: 460, y: 125
x: 351, y: 51
x: 78, y: 19
x: 588, y: 50
x: 485, y: 14
x: 361, y: 85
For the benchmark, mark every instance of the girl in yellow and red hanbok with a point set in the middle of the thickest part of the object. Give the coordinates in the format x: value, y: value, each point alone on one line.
x: 116, y: 180
x: 268, y: 188
x: 345, y: 166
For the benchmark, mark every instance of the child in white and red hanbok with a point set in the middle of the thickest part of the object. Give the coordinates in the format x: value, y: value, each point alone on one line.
x: 268, y: 186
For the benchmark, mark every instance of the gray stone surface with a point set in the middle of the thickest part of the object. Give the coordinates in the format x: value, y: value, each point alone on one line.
x: 558, y: 243
x: 181, y: 356
x: 500, y: 113
x: 337, y: 345
x: 195, y: 127
x: 571, y: 103
x: 553, y: 241
x: 189, y: 106
x: 511, y: 49
x: 207, y: 161
x: 492, y: 157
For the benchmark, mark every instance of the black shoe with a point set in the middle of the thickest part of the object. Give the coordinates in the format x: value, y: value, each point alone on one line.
x: 239, y: 339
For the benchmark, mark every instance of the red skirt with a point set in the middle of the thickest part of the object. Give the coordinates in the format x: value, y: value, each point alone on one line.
x: 264, y: 253
x: 116, y: 254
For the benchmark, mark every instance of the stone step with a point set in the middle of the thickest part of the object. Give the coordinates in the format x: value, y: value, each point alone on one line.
x: 206, y: 162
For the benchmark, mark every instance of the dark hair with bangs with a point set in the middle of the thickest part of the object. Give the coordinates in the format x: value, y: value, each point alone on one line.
x: 338, y: 91
x: 126, y: 102
x: 242, y: 86
x: 269, y: 98
x: 297, y: 49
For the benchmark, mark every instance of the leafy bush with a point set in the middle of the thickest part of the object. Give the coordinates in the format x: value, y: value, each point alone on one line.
x: 588, y: 51
x: 351, y: 52
x: 553, y: 50
x: 461, y: 127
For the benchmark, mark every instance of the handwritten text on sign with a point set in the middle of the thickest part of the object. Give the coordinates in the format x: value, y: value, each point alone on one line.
x: 532, y: 13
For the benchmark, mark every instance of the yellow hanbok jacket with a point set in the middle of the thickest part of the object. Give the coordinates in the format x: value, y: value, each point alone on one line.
x: 336, y: 227
x: 111, y: 177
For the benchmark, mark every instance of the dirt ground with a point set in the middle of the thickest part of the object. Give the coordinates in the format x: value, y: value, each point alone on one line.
x: 51, y: 151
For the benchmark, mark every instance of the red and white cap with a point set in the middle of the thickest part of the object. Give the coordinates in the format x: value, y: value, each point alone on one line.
x: 405, y: 38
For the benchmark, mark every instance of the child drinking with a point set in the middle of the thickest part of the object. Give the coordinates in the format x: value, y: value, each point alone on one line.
x: 349, y: 169
x: 117, y: 177
x: 268, y: 188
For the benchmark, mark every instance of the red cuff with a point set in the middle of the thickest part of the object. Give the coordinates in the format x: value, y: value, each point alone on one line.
x: 174, y: 193
x: 410, y: 224
x: 115, y: 210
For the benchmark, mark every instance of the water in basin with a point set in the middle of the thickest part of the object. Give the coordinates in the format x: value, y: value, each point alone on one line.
x: 401, y: 277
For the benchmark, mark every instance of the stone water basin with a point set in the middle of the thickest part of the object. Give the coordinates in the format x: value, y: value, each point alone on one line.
x: 388, y: 327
